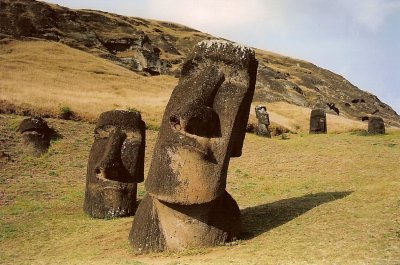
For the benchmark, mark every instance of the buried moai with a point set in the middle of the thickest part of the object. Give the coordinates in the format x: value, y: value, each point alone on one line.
x: 36, y: 135
x: 318, y: 121
x: 376, y: 125
x: 203, y: 126
x: 116, y: 165
x: 263, y: 121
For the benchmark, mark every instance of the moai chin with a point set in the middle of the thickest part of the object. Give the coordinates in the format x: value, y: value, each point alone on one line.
x: 263, y: 121
x: 376, y: 125
x: 318, y: 121
x: 116, y: 165
x: 36, y: 135
x: 203, y: 126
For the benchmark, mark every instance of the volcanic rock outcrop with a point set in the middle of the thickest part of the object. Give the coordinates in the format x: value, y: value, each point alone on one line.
x: 116, y: 165
x: 36, y: 135
x: 204, y: 125
x: 263, y: 121
x: 318, y: 121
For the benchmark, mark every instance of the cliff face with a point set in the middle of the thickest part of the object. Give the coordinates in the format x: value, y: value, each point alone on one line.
x: 155, y: 47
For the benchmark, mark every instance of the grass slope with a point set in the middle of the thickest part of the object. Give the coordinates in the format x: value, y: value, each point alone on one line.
x: 310, y: 199
x: 45, y: 76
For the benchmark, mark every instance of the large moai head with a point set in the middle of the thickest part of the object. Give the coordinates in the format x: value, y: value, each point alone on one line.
x: 376, y: 125
x: 318, y: 121
x: 204, y: 124
x: 116, y: 164
x: 36, y: 135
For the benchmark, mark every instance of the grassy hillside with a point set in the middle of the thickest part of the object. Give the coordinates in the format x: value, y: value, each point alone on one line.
x: 42, y: 77
x: 310, y: 199
x: 45, y: 76
x: 152, y: 47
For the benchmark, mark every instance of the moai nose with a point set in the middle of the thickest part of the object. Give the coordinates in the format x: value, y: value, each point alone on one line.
x: 111, y: 161
x: 203, y: 122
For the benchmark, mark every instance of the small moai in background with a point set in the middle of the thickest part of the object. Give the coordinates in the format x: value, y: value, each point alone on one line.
x: 318, y: 121
x: 263, y: 121
x: 116, y: 165
x: 376, y: 125
x: 203, y: 126
x: 36, y: 136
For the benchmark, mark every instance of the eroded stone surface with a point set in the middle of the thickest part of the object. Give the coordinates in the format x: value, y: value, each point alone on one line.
x: 116, y: 165
x: 318, y: 121
x: 36, y: 135
x: 204, y: 125
x: 376, y: 125
x: 163, y: 226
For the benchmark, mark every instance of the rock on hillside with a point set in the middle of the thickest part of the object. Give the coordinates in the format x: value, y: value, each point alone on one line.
x: 154, y: 47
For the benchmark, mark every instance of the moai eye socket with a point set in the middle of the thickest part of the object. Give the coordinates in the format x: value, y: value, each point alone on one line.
x: 205, y: 124
x: 104, y: 132
x: 175, y: 122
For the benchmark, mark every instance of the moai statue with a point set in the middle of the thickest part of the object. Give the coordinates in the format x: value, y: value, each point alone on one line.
x: 263, y: 121
x: 36, y: 135
x: 318, y: 121
x: 204, y: 125
x: 376, y: 125
x: 116, y: 165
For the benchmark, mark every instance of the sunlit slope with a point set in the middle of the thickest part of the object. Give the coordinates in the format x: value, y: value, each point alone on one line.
x: 309, y: 199
x: 154, y: 47
x: 46, y: 76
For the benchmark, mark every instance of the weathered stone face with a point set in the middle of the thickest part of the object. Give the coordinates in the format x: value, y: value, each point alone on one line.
x: 116, y: 164
x: 318, y: 121
x: 376, y: 125
x: 263, y: 121
x: 35, y: 135
x: 204, y: 124
x: 203, y: 127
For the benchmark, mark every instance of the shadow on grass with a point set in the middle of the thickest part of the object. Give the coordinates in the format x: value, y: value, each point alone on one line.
x: 259, y: 219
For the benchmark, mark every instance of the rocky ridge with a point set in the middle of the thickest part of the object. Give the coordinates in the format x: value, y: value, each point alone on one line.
x: 153, y: 47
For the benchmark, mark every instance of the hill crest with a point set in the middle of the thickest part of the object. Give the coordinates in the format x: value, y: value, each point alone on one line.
x: 151, y: 47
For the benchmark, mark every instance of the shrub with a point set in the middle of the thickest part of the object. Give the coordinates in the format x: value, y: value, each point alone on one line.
x: 65, y: 112
x: 132, y: 109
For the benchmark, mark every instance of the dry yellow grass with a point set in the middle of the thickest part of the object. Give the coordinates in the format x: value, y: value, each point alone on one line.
x: 48, y: 75
x: 297, y: 118
x: 311, y: 199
